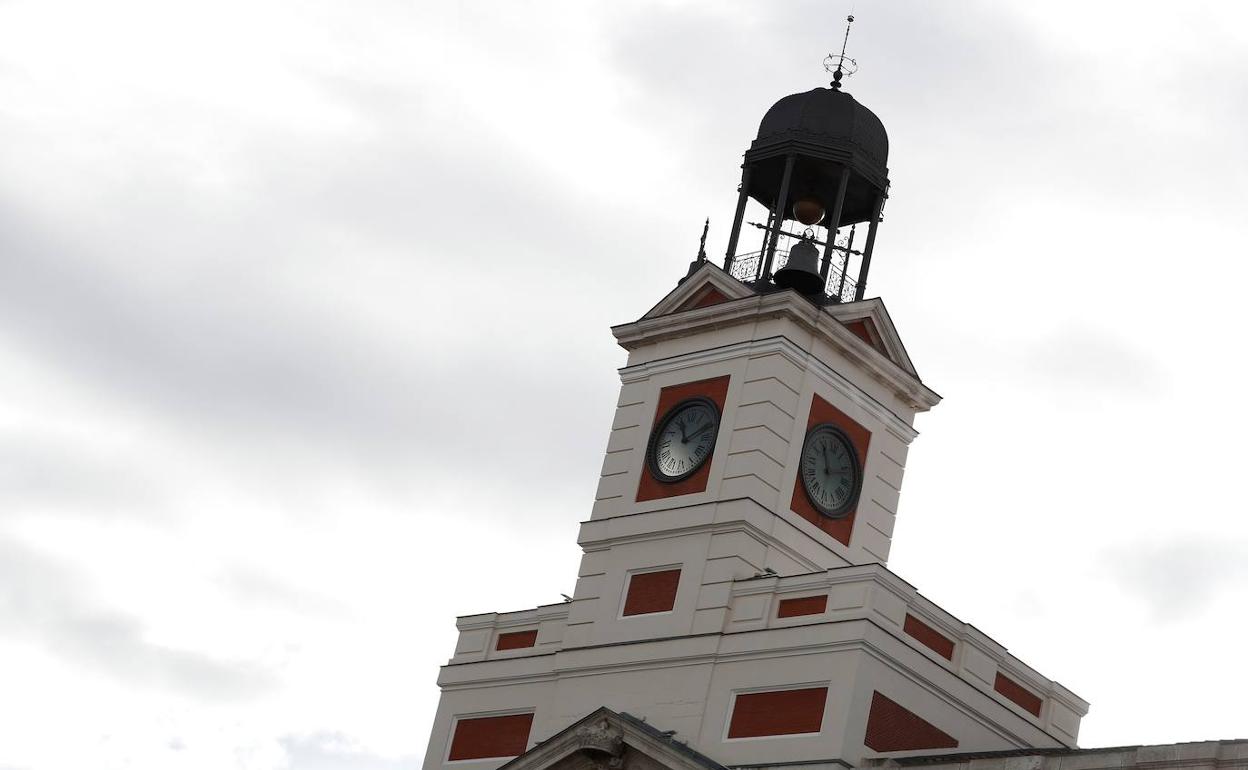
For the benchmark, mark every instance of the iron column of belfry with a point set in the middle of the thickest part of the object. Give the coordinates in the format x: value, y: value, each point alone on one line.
x: 861, y: 288
x: 776, y: 221
x: 742, y: 198
x: 837, y: 210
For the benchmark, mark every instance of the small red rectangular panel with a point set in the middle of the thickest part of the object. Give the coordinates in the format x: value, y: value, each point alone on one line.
x: 780, y: 712
x: 892, y: 727
x: 651, y: 592
x: 1017, y: 693
x: 929, y: 636
x: 515, y: 640
x: 806, y: 605
x: 488, y: 737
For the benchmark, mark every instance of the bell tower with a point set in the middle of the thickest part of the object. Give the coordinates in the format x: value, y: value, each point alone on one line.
x: 732, y: 602
x: 820, y: 161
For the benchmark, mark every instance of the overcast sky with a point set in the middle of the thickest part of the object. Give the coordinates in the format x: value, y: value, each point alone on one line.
x: 291, y: 292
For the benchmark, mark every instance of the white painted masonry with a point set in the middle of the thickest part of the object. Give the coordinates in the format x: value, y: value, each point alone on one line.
x: 680, y: 670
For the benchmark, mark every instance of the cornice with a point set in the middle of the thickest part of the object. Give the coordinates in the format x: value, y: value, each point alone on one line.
x: 561, y: 667
x: 788, y: 305
x: 856, y: 573
x: 800, y: 357
x: 526, y: 617
x: 589, y: 544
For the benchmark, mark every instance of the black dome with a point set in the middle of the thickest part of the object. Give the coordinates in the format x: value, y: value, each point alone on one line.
x: 829, y: 118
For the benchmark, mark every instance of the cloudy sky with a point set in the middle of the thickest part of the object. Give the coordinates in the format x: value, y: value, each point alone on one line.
x: 291, y: 291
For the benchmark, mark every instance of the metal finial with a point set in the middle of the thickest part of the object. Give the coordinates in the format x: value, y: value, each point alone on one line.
x: 702, y: 245
x: 841, y: 66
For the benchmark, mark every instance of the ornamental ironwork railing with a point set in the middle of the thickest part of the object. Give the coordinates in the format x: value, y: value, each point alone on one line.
x: 747, y: 268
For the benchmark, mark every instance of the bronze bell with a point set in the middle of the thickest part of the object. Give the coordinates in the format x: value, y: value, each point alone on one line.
x: 801, y: 272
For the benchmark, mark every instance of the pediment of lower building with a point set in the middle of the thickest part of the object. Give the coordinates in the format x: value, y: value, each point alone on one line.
x: 607, y: 740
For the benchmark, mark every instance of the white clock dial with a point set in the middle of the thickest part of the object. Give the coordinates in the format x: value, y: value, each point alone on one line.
x: 684, y: 439
x: 830, y: 470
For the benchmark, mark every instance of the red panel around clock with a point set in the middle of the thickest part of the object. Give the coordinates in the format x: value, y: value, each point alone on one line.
x: 820, y: 412
x: 651, y: 488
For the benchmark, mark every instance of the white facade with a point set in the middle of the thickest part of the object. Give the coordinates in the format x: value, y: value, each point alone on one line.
x: 741, y: 548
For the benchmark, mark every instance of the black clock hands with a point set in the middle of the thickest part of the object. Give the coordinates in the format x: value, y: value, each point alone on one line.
x: 694, y: 422
x: 832, y: 476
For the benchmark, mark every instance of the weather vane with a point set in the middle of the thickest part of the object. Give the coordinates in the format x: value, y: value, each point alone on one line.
x: 841, y: 66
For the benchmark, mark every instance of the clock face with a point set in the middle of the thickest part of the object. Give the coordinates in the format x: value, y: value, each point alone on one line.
x: 683, y: 440
x: 830, y: 471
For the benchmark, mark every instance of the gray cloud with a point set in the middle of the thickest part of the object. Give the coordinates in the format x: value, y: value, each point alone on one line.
x: 41, y: 474
x: 45, y: 602
x: 337, y: 751
x: 1084, y: 358
x: 1178, y: 579
x: 223, y: 360
x: 251, y: 586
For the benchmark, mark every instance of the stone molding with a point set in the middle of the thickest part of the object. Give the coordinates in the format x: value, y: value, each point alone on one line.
x: 808, y: 317
x: 796, y: 355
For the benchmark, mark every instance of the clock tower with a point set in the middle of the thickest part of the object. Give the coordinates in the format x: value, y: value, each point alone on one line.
x: 733, y: 605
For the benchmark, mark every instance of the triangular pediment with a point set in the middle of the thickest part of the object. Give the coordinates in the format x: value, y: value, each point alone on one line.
x: 607, y: 740
x: 708, y: 285
x: 708, y: 298
x: 868, y: 320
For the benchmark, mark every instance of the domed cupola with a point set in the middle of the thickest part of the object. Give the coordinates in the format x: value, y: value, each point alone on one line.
x: 819, y: 162
x: 830, y: 119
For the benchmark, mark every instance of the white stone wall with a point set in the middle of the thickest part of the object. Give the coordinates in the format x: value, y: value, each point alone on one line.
x: 685, y: 681
x: 681, y: 669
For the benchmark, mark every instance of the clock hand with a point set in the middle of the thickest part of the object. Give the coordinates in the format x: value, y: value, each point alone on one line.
x: 681, y: 427
x: 699, y: 430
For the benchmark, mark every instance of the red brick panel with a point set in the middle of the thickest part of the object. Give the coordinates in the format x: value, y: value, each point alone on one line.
x: 929, y: 636
x: 1017, y: 693
x: 780, y: 712
x: 515, y: 640
x: 651, y: 592
x: 651, y: 488
x: 820, y: 412
x: 806, y: 605
x: 705, y: 297
x: 486, y: 737
x: 862, y: 330
x: 891, y: 727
